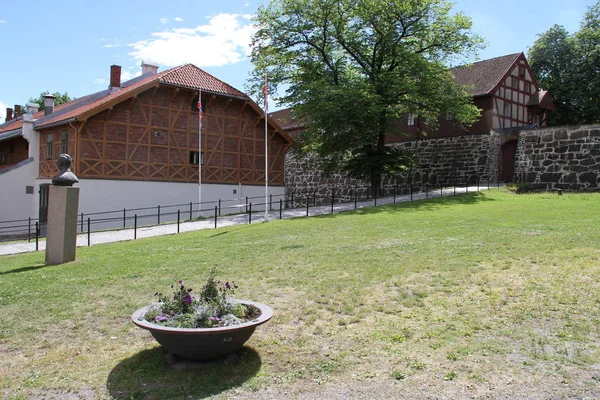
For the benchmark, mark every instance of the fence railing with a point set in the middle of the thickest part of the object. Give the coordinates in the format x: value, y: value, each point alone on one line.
x: 31, y: 230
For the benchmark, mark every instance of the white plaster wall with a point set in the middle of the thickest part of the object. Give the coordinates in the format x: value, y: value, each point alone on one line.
x: 15, y: 204
x: 98, y: 195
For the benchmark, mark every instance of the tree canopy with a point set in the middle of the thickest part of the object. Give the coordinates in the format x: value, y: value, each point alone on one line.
x: 352, y: 68
x: 59, y: 98
x: 567, y: 65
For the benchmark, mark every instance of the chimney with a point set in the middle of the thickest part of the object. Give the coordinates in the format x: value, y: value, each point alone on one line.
x: 17, y: 110
x: 8, y: 114
x: 32, y: 108
x: 148, y: 67
x: 48, y: 104
x: 115, y: 76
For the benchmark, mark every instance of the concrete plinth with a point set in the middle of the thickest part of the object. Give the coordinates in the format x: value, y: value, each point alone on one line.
x: 61, y: 237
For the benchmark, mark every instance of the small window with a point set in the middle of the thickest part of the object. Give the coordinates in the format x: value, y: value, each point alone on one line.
x: 194, y: 158
x: 411, y: 120
x: 527, y: 87
x: 521, y: 71
x: 449, y: 117
x: 515, y: 83
x: 64, y: 142
x: 507, y: 109
x: 49, y: 146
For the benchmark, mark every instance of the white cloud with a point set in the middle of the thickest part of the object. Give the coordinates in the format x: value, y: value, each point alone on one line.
x: 3, y: 21
x: 224, y: 40
x: 100, y: 81
x: 178, y: 19
x: 164, y: 20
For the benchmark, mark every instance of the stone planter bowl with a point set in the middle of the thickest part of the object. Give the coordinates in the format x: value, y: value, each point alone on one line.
x: 203, y: 343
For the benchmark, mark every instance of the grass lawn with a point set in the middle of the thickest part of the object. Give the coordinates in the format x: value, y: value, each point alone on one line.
x: 486, y: 294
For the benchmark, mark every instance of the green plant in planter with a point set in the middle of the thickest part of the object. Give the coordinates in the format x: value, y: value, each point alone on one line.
x: 214, y: 306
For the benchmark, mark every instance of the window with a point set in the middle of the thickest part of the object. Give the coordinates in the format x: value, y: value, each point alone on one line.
x: 194, y: 158
x: 507, y: 109
x: 515, y: 83
x: 521, y: 71
x: 411, y: 120
x: 64, y: 142
x: 528, y: 87
x: 449, y: 117
x: 49, y: 146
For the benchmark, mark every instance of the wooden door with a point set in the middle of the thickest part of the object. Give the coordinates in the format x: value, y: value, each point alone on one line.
x: 507, y: 163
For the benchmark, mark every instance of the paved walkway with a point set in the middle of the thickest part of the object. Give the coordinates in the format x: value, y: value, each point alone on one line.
x: 229, y: 220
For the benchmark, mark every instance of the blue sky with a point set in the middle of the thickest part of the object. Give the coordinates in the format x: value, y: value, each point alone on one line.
x: 69, y: 45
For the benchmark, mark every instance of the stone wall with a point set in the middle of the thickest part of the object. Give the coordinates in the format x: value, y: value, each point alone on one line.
x: 559, y: 158
x: 440, y: 161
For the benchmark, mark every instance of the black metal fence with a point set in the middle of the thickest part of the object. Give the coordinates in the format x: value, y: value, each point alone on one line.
x: 31, y: 230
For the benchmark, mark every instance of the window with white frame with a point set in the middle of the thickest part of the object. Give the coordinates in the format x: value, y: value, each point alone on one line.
x: 411, y: 120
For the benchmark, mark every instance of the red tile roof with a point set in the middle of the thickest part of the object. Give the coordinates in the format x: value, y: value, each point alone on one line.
x: 188, y: 76
x: 482, y: 77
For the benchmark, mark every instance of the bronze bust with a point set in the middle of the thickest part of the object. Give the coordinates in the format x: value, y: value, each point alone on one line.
x: 64, y: 177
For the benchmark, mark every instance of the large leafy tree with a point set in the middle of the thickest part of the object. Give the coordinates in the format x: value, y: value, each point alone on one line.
x: 352, y: 68
x: 58, y: 98
x: 568, y: 65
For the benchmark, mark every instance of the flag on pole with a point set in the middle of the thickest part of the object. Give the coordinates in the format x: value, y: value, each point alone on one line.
x: 200, y: 113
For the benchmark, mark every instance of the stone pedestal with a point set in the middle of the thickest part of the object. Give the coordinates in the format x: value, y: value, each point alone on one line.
x: 61, y: 237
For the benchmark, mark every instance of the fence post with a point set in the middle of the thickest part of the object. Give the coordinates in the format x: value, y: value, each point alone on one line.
x: 178, y: 219
x: 219, y: 207
x: 332, y: 199
x: 250, y: 213
x: 246, y: 203
x: 37, y: 236
x: 307, y: 200
x: 191, y: 209
x: 280, y: 207
x: 81, y: 222
x: 29, y: 230
x: 411, y: 192
x: 135, y: 226
x: 159, y: 214
x: 89, y: 224
x: 270, y: 202
x: 216, y: 210
x: 292, y: 199
x: 394, y: 194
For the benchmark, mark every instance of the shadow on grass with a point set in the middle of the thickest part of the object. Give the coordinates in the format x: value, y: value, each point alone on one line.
x: 23, y: 269
x: 430, y: 204
x: 147, y: 376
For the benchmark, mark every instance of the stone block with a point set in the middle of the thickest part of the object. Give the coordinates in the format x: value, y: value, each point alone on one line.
x: 579, y: 134
x: 595, y: 132
x: 550, y: 177
x: 561, y: 149
x: 560, y: 134
x: 61, y: 236
x: 570, y: 178
x: 547, y: 137
x: 589, y: 177
x: 532, y: 139
x: 574, y: 148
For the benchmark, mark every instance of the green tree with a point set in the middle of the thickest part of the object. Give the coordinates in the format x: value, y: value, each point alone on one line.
x: 352, y: 68
x: 567, y: 66
x: 554, y: 63
x: 59, y: 98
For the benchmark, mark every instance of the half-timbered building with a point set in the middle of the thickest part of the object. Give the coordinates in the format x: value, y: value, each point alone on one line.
x: 138, y: 143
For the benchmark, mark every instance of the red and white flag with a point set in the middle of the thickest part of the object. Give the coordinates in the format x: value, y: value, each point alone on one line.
x: 200, y: 113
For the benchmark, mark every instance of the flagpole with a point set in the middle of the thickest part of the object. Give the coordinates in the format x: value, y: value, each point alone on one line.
x: 200, y: 117
x: 265, y: 90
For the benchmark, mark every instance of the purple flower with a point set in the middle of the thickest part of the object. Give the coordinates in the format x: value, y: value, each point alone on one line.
x: 188, y: 299
x: 227, y: 285
x: 180, y: 283
x: 215, y: 319
x: 160, y: 318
